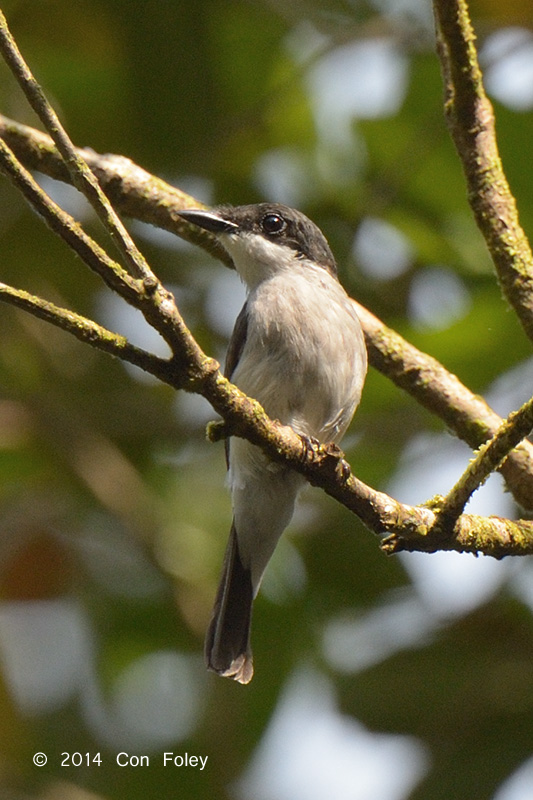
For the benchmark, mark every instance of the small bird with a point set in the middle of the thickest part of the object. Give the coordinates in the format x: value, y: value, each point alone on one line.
x: 297, y: 348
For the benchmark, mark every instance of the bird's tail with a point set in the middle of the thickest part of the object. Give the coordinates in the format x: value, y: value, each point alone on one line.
x: 227, y: 644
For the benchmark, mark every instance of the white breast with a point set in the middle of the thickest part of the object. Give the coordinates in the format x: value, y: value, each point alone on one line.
x: 305, y: 357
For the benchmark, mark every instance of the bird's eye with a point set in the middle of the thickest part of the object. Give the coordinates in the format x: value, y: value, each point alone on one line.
x: 273, y: 223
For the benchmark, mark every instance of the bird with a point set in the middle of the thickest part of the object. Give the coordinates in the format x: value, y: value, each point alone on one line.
x: 298, y: 348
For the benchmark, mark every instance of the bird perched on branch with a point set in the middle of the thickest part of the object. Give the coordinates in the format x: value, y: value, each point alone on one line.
x: 297, y: 348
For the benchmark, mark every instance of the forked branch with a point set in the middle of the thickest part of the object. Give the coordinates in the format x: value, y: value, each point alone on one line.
x: 189, y: 368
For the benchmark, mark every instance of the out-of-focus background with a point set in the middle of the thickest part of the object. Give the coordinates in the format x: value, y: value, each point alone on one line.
x: 376, y: 678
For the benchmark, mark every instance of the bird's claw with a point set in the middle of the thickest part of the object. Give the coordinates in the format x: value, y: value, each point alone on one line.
x: 311, y: 446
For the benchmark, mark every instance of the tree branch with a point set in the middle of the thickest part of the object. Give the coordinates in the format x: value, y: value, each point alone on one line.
x: 142, y: 196
x: 190, y: 368
x: 323, y: 466
x: 491, y: 536
x: 149, y: 296
x: 134, y: 192
x: 471, y: 122
x: 442, y: 393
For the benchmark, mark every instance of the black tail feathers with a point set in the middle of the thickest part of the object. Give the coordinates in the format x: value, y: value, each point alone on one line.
x: 227, y: 644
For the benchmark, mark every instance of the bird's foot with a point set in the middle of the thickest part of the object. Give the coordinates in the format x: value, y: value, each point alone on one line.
x: 310, y: 449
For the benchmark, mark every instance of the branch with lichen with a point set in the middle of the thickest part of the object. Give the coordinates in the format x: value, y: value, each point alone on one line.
x: 191, y: 369
x: 470, y: 118
x: 145, y: 197
x: 488, y: 459
x: 438, y: 390
x: 84, y: 329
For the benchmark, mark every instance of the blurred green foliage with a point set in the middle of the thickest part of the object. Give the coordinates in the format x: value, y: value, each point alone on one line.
x: 112, y: 504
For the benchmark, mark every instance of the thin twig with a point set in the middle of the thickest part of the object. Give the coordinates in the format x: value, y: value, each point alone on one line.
x: 67, y: 227
x: 87, y: 331
x: 81, y: 175
x: 149, y: 296
x: 133, y: 190
x: 488, y: 458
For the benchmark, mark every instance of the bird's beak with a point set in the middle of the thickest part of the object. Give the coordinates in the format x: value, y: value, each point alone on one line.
x: 208, y: 220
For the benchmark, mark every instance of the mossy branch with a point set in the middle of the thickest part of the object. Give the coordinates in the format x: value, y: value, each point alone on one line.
x: 86, y: 330
x: 190, y: 368
x: 470, y: 117
x: 145, y: 197
x: 488, y: 459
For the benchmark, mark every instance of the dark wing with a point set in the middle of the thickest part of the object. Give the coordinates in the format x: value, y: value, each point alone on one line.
x: 235, y: 348
x: 237, y: 341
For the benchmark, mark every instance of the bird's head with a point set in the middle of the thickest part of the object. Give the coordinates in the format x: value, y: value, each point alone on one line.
x: 265, y: 238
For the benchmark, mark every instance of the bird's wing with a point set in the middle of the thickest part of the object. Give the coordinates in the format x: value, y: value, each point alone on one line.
x: 237, y: 341
x: 235, y: 348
